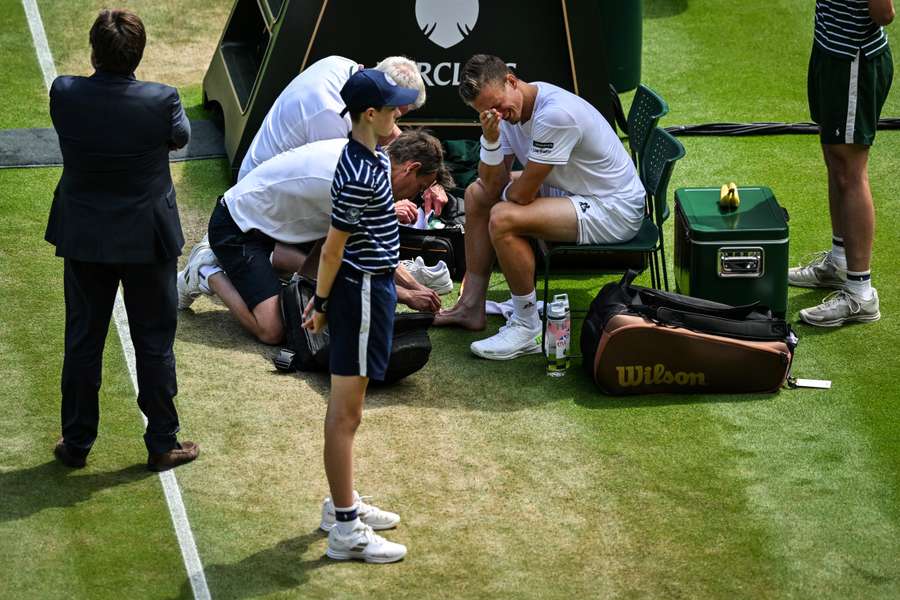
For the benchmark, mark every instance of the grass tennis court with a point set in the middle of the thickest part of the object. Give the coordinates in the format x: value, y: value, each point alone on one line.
x: 510, y: 484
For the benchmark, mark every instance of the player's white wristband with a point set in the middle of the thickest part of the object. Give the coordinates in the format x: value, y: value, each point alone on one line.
x: 491, y: 155
x: 492, y: 158
x: 503, y: 193
x: 489, y: 145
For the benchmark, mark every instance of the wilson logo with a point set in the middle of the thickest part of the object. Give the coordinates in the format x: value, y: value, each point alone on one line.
x: 633, y: 376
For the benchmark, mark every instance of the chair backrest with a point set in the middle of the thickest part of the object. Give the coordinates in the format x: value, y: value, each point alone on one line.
x: 660, y: 154
x: 646, y: 110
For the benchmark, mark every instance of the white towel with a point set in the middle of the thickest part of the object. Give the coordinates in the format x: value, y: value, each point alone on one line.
x: 506, y: 308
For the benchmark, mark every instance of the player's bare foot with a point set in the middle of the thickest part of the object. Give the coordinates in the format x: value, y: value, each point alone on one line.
x: 467, y: 317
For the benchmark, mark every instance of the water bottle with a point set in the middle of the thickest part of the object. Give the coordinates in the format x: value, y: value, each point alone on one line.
x: 559, y: 326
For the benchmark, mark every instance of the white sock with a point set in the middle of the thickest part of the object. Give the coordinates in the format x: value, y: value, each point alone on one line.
x: 838, y: 254
x: 859, y: 283
x: 207, y: 271
x: 525, y: 309
x: 346, y: 527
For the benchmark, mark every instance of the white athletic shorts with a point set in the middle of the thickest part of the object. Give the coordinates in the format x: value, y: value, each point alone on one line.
x: 600, y: 221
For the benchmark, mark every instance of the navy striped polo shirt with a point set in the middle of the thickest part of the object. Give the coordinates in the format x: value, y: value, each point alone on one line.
x: 844, y: 28
x: 363, y: 204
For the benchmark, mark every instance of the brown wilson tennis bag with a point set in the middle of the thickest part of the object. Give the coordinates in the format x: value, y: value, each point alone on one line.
x: 641, y: 341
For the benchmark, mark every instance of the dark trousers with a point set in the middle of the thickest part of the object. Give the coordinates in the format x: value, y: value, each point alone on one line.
x: 151, y: 303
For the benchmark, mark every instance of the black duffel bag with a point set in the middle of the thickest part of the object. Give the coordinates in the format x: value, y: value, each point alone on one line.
x: 306, y: 351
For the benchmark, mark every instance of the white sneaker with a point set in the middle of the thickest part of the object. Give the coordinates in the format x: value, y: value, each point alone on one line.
x: 436, y: 278
x: 820, y: 271
x: 189, y: 283
x: 363, y: 544
x: 842, y: 307
x: 371, y: 515
x: 514, y: 339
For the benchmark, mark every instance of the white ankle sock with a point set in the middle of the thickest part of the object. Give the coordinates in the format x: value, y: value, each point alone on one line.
x: 838, y: 254
x: 525, y: 309
x: 207, y: 271
x: 346, y: 527
x: 859, y: 283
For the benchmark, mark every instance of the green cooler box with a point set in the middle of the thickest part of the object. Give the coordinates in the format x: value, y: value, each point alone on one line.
x: 732, y: 256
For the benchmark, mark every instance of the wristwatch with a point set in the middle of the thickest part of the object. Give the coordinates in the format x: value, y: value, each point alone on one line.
x: 320, y: 304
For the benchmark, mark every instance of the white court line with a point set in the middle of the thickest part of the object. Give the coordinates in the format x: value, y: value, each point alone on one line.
x: 170, y: 485
x: 41, y: 47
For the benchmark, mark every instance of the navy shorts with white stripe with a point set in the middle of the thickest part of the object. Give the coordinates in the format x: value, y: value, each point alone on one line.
x: 361, y: 322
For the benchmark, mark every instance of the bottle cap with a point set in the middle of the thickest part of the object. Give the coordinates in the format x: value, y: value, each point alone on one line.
x: 557, y: 310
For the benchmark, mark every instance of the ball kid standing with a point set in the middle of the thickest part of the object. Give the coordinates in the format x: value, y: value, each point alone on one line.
x: 355, y: 295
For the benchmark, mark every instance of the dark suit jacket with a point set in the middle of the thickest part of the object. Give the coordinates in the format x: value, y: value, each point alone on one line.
x: 115, y: 202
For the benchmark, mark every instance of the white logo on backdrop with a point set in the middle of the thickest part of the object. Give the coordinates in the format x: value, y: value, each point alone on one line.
x: 446, y: 22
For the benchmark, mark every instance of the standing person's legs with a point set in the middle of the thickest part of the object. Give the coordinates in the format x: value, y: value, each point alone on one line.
x: 469, y: 310
x: 361, y: 334
x: 151, y: 303
x: 341, y: 422
x: 847, y: 166
x: 90, y: 290
x: 846, y: 98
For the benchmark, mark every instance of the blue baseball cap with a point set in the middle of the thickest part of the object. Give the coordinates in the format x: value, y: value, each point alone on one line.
x: 370, y: 88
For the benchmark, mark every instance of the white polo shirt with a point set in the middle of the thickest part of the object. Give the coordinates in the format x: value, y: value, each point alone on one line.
x: 288, y: 197
x: 308, y: 110
x: 587, y: 157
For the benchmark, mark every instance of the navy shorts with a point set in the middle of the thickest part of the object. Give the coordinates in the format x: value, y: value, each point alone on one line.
x: 245, y: 257
x: 361, y: 322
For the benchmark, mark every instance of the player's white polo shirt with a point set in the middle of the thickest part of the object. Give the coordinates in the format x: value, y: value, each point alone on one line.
x: 590, y: 164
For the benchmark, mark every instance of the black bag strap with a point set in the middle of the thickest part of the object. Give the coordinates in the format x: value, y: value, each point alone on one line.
x: 763, y: 329
x: 697, y: 305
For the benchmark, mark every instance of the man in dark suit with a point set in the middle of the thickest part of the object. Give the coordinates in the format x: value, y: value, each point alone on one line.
x: 114, y: 219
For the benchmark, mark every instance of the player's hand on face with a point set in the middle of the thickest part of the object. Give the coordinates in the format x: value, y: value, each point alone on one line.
x: 406, y: 211
x: 434, y: 198
x: 490, y: 124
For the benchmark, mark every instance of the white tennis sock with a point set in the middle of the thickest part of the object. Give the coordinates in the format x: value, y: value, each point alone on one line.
x: 207, y: 271
x: 838, y: 254
x: 525, y: 309
x: 346, y: 527
x: 859, y: 283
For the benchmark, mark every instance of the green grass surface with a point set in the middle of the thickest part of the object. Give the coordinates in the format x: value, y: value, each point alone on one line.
x: 21, y: 85
x: 510, y: 484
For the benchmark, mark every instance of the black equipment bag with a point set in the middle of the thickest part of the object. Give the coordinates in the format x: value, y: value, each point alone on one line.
x: 305, y: 351
x: 637, y: 340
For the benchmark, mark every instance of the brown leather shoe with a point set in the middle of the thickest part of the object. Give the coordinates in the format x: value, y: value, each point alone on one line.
x: 182, y: 453
x: 65, y: 456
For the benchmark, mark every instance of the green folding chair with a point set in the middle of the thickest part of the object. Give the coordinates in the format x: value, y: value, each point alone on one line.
x: 660, y: 154
x: 646, y: 110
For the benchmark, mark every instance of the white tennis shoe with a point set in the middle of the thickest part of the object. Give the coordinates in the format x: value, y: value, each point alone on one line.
x: 436, y: 278
x: 820, y: 271
x: 189, y: 283
x: 514, y: 339
x: 363, y: 544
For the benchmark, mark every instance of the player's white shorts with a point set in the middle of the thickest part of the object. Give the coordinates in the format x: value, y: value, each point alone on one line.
x: 601, y: 220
